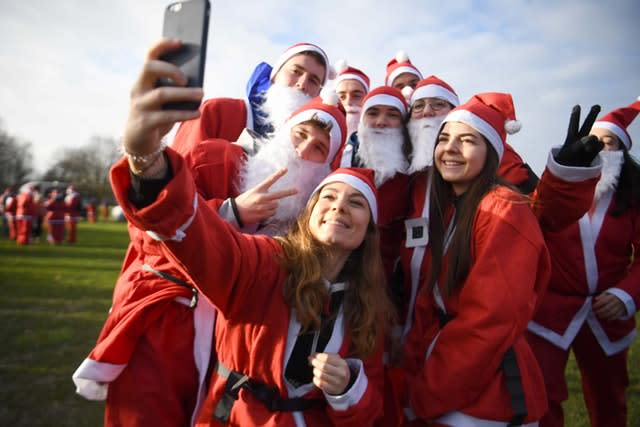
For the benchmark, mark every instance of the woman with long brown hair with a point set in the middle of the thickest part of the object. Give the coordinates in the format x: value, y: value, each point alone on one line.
x: 466, y: 360
x: 301, y: 318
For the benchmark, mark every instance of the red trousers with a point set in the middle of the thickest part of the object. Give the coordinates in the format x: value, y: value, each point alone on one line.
x: 604, y: 379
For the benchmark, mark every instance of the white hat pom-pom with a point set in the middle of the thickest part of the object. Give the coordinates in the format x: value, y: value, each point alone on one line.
x: 638, y: 98
x: 512, y: 126
x: 407, y: 91
x: 331, y: 72
x: 340, y: 65
x: 402, y: 56
x: 329, y: 96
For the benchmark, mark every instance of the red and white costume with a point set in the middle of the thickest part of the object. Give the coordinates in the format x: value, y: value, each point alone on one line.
x: 72, y: 201
x: 489, y: 315
x: 25, y: 216
x: 56, y: 210
x: 590, y: 257
x: 255, y: 329
x: 10, y: 209
x: 150, y: 315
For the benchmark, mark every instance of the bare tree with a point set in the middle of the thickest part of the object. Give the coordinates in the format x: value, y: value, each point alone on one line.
x: 16, y: 160
x: 87, y: 167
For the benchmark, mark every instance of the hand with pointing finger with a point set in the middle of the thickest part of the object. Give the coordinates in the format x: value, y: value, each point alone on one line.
x: 258, y: 204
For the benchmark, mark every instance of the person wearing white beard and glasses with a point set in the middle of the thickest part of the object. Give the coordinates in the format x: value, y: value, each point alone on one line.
x: 430, y: 103
x: 273, y: 93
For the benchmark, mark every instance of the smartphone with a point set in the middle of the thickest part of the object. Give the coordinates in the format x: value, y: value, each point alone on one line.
x: 188, y: 21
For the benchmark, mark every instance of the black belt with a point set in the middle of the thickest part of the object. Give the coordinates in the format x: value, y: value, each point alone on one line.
x: 513, y: 378
x: 268, y: 395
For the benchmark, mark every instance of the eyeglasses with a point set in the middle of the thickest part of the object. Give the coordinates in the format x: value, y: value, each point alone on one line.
x: 435, y: 105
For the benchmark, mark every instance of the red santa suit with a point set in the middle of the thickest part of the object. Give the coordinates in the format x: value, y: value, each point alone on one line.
x: 592, y: 256
x: 453, y: 373
x: 72, y: 201
x: 10, y: 209
x: 562, y: 196
x: 25, y: 215
x: 56, y: 210
x: 223, y: 118
x: 151, y: 314
x: 255, y: 329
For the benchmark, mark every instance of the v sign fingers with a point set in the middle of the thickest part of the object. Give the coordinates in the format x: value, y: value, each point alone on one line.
x: 258, y: 204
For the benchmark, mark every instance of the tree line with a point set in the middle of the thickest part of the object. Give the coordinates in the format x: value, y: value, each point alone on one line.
x: 86, y: 167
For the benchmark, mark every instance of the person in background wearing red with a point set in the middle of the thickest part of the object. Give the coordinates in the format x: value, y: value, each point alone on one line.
x: 72, y: 200
x: 55, y: 217
x: 594, y: 293
x: 8, y: 201
x: 25, y: 215
x: 91, y: 211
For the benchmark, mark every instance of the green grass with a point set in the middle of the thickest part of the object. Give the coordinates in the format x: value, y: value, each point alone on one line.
x: 53, y: 302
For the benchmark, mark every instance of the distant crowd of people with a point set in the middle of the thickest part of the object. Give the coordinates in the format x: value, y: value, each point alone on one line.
x: 28, y: 214
x: 364, y: 256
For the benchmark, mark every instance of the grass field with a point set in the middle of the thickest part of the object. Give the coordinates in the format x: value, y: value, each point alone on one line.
x: 53, y: 301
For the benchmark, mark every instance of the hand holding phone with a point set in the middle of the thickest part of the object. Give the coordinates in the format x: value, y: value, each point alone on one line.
x: 187, y: 21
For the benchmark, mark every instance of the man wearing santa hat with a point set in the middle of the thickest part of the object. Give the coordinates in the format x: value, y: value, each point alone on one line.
x: 305, y: 145
x: 594, y: 293
x: 430, y: 102
x: 380, y: 144
x: 273, y: 93
x: 401, y: 72
x: 352, y: 85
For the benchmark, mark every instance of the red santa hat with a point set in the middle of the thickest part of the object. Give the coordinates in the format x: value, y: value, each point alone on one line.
x: 492, y: 114
x: 386, y: 95
x: 327, y: 109
x: 346, y: 72
x: 618, y: 120
x: 362, y: 179
x: 398, y: 65
x: 329, y: 72
x: 434, y: 87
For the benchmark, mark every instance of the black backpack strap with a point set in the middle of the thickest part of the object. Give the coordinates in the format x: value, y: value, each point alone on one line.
x: 513, y: 380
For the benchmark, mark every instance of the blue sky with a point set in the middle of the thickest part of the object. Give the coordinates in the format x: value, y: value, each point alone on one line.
x: 67, y: 66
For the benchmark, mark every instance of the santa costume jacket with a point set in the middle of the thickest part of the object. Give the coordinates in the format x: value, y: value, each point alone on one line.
x: 151, y: 314
x: 453, y: 372
x: 562, y: 195
x: 590, y: 257
x: 255, y: 329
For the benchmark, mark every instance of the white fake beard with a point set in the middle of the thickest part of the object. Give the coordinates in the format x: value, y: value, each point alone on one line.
x: 280, y: 101
x: 611, y: 166
x: 423, y: 133
x: 353, y: 118
x: 302, y: 174
x: 381, y: 150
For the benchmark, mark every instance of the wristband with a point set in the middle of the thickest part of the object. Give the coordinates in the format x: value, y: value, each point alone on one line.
x: 236, y: 213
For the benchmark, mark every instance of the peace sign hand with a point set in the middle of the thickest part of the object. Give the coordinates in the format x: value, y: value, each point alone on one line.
x: 257, y: 204
x: 580, y: 148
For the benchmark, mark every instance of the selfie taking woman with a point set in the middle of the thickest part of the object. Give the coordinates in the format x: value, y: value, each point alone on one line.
x: 289, y: 351
x: 466, y: 359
